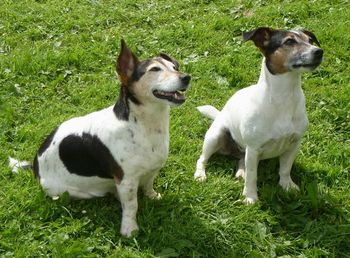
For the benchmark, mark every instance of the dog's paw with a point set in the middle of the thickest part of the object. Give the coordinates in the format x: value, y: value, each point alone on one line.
x: 129, y: 229
x: 153, y: 195
x: 250, y: 200
x: 288, y: 185
x: 200, y: 176
x: 240, y: 173
x: 251, y: 196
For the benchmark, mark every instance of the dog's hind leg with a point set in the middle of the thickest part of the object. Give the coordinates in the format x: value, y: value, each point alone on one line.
x: 286, y: 162
x: 228, y: 146
x: 147, y: 187
x: 127, y: 191
x: 241, y: 169
x: 212, y: 143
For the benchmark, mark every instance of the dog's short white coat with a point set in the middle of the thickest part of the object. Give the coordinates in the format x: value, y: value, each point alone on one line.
x: 139, y: 147
x: 139, y: 144
x: 267, y: 120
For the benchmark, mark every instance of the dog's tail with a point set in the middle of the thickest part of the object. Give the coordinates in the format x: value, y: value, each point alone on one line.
x: 15, y: 165
x: 208, y: 111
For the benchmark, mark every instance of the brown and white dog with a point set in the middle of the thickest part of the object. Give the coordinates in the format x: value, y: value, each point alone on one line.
x: 120, y: 148
x: 268, y: 119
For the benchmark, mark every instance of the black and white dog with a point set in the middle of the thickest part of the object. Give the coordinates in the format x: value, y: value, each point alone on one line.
x: 120, y: 148
x: 269, y: 118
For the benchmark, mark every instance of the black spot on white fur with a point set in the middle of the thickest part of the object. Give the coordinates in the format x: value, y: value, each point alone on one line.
x: 87, y: 156
x: 36, y: 167
x: 121, y: 108
x: 41, y: 150
x: 131, y: 133
x: 47, y: 142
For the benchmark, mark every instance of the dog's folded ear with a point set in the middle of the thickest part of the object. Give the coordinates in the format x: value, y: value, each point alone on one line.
x: 260, y: 36
x: 170, y: 59
x: 126, y: 63
x: 312, y: 36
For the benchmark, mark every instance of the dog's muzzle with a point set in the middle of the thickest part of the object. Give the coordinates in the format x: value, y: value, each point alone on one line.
x: 176, y: 97
x: 316, y: 60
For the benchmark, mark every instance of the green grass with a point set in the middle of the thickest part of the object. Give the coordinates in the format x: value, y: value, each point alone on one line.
x: 57, y: 61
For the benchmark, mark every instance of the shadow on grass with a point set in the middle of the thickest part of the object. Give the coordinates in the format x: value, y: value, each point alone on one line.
x: 172, y: 227
x: 168, y: 227
x: 313, y: 218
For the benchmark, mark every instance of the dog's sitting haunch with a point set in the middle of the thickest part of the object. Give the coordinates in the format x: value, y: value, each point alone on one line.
x: 120, y: 148
x: 268, y: 119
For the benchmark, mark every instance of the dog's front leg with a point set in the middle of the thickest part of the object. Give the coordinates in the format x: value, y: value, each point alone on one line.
x: 250, y: 183
x: 127, y: 191
x: 147, y: 187
x: 286, y: 162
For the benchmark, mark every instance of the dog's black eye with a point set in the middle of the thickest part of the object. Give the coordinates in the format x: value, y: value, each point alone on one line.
x: 155, y: 69
x: 290, y: 42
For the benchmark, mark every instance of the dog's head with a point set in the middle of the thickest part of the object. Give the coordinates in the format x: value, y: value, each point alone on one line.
x: 287, y: 51
x: 152, y: 80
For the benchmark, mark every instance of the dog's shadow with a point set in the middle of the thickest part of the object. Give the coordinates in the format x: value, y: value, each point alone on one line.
x: 313, y: 214
x: 173, y: 227
x: 167, y: 227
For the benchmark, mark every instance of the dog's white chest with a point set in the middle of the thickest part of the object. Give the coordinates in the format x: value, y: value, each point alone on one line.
x: 283, y: 130
x: 276, y: 146
x: 150, y: 149
x: 145, y: 145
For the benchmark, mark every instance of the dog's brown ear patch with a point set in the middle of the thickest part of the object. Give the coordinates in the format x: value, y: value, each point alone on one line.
x: 170, y: 59
x: 126, y: 63
x: 260, y: 36
x: 312, y: 36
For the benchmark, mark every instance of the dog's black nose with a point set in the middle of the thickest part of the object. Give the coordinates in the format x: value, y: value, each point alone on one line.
x: 185, y: 78
x: 318, y: 53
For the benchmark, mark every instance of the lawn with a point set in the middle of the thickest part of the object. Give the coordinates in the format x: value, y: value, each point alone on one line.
x: 57, y: 61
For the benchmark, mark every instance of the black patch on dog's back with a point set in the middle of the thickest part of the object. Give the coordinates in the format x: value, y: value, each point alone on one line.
x: 87, y: 156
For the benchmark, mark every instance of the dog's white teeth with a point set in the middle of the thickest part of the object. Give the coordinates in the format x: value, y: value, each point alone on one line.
x: 164, y: 93
x: 178, y: 95
x: 168, y: 94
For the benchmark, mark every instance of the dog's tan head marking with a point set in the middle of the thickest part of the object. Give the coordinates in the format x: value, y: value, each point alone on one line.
x: 152, y: 80
x: 287, y: 51
x: 162, y: 81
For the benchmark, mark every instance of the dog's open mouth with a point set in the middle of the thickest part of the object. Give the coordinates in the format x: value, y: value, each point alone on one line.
x: 177, y: 97
x: 309, y: 65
